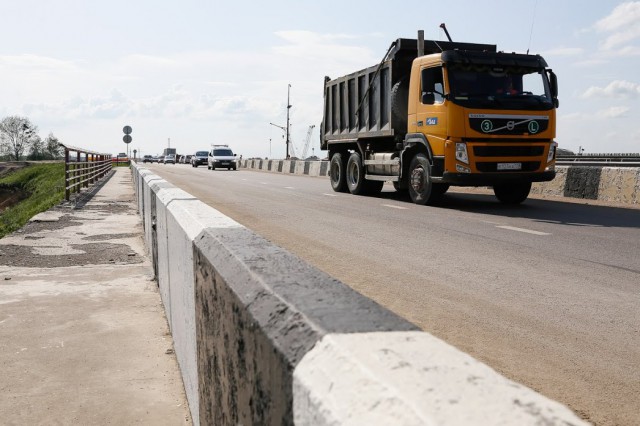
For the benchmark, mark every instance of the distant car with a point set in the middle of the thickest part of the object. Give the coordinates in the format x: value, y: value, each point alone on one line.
x: 199, y: 158
x: 187, y: 159
x: 171, y: 158
x: 147, y: 159
x: 221, y: 156
x: 161, y: 159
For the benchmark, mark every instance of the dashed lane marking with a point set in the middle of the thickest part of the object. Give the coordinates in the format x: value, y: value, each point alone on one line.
x: 527, y: 231
x: 330, y: 195
x: 395, y: 207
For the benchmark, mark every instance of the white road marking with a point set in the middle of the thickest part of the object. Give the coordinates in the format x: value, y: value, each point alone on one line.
x: 289, y: 187
x: 528, y: 231
x: 491, y: 223
x: 330, y: 195
x: 583, y: 224
x: 264, y: 183
x: 395, y: 207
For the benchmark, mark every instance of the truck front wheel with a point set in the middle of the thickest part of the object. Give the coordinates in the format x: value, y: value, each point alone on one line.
x: 512, y: 193
x: 420, y: 186
x: 337, y: 172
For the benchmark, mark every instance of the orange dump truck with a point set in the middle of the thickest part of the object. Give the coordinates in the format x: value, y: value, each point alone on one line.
x: 434, y: 114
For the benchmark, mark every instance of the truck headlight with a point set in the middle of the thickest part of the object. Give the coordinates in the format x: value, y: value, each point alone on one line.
x: 552, y: 152
x: 461, y: 152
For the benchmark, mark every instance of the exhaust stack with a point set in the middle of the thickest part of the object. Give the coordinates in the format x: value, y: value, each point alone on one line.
x: 444, y: 27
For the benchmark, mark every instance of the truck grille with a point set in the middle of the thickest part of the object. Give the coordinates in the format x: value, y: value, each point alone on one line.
x: 508, y: 151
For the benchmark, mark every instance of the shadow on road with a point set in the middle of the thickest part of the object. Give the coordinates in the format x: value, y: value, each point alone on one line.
x: 548, y: 211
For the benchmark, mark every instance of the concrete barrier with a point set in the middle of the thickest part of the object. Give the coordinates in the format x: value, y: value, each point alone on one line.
x: 614, y: 184
x: 262, y: 337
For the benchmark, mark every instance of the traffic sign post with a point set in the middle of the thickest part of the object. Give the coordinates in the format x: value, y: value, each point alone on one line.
x: 127, y: 137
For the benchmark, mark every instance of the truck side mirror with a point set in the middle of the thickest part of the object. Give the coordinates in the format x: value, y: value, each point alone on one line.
x: 428, y: 98
x: 553, y: 82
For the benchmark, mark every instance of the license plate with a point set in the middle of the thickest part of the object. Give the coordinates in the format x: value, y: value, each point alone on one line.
x: 509, y: 166
x: 225, y: 164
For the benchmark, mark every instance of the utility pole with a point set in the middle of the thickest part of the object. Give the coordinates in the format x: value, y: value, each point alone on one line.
x: 288, y: 108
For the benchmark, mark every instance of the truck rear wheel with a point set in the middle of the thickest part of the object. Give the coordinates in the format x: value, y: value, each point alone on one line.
x: 512, y: 193
x: 356, y: 181
x: 355, y: 175
x: 420, y: 186
x: 337, y: 169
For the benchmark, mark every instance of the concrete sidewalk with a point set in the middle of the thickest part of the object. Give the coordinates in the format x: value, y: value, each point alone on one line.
x: 83, y: 335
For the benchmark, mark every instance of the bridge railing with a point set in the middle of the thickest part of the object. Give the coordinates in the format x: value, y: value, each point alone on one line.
x: 599, y: 160
x: 83, y: 168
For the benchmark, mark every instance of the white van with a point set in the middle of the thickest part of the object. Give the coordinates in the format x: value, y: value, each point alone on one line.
x: 221, y: 157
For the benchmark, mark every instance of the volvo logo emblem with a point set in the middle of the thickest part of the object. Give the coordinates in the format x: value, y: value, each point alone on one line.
x: 511, y: 125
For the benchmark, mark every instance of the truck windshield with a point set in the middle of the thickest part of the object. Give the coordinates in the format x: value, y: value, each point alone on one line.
x: 482, y: 86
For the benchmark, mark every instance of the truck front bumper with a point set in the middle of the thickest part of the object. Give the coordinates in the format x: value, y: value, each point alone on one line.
x: 491, y: 179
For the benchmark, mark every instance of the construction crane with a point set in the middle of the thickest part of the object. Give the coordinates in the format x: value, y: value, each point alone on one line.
x: 307, y: 142
x: 292, y: 148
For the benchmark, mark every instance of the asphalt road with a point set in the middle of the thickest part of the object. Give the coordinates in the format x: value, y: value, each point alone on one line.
x: 547, y: 293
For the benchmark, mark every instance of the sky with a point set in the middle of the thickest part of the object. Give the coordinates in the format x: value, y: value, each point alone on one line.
x: 194, y: 73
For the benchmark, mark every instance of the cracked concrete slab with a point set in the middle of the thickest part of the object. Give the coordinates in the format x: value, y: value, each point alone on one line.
x: 82, y: 327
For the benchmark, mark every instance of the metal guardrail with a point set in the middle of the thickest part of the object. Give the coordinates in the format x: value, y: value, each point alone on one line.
x: 84, y: 169
x: 599, y: 160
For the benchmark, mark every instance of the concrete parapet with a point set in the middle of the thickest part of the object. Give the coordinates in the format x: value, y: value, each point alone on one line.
x: 620, y: 185
x: 259, y: 310
x: 410, y: 378
x: 555, y: 187
x: 264, y: 338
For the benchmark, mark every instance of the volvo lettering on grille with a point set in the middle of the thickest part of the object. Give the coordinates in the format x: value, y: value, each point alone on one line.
x: 498, y: 124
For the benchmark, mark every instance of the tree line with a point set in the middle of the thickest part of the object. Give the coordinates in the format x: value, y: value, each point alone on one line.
x: 19, y: 140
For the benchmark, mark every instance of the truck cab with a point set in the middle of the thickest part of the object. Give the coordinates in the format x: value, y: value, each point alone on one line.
x: 486, y: 118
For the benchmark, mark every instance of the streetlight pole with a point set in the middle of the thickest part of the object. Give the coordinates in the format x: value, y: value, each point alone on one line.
x: 288, y: 108
x: 285, y: 129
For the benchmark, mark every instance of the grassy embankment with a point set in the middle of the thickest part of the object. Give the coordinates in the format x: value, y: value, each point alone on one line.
x: 44, y: 185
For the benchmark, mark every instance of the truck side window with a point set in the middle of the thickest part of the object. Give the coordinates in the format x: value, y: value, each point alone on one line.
x: 432, y: 86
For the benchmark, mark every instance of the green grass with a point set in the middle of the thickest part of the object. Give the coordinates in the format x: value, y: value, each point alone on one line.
x: 44, y: 184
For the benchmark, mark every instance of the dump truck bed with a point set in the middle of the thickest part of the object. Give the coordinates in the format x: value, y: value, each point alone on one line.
x: 361, y: 105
